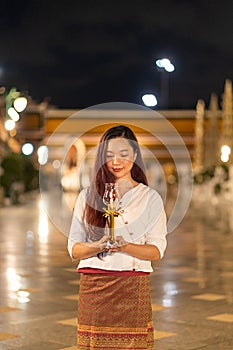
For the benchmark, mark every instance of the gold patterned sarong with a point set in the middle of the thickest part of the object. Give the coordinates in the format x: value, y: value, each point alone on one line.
x: 114, y: 312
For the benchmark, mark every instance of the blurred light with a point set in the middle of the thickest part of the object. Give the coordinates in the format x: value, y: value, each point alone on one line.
x: 23, y: 293
x: 159, y: 63
x: 12, y: 133
x: 225, y: 153
x: 9, y: 124
x: 43, y: 229
x: 13, y: 114
x: 29, y: 238
x: 170, y: 68
x: 20, y: 104
x: 170, y: 288
x: 149, y: 100
x: 22, y: 297
x: 23, y: 300
x: 42, y: 155
x: 166, y: 64
x: 226, y: 149
x: 10, y: 273
x: 2, y: 90
x: 168, y: 302
x: 224, y: 157
x: 27, y: 149
x: 14, y: 280
x: 171, y: 179
x: 43, y: 226
x: 56, y: 164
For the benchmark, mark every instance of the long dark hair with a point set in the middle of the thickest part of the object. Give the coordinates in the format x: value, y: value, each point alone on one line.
x: 93, y: 213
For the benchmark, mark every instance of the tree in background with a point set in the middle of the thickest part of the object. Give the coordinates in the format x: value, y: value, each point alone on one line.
x: 18, y: 175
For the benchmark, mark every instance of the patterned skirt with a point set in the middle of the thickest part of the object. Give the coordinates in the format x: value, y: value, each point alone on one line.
x: 114, y: 312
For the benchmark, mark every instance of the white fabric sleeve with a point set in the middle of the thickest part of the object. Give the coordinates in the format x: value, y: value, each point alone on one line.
x: 157, y: 224
x: 77, y: 232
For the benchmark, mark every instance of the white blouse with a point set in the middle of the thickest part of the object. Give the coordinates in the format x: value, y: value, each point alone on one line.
x: 143, y: 210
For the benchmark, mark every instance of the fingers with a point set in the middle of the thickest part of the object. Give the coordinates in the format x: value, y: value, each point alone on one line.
x: 116, y: 247
x: 104, y: 239
x: 120, y: 241
x: 103, y: 243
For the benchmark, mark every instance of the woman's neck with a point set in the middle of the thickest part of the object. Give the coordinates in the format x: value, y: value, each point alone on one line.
x: 125, y: 186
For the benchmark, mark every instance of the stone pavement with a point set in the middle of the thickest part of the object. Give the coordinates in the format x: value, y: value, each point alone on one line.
x: 192, y: 287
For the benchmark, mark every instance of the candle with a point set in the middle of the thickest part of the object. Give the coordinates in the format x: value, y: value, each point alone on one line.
x: 110, y: 199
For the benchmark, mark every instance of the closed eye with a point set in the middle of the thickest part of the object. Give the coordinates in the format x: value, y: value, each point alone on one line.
x: 109, y: 156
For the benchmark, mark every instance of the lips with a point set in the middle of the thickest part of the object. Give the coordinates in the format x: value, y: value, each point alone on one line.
x: 117, y: 169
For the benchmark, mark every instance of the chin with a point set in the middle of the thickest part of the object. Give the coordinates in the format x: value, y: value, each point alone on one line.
x: 118, y: 176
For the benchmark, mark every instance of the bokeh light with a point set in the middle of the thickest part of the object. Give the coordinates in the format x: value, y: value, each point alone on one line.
x: 27, y: 149
x: 9, y: 124
x: 42, y: 155
x: 20, y: 104
x: 149, y: 100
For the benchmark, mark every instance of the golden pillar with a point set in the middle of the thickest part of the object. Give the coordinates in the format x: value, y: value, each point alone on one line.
x: 211, y: 138
x: 199, y: 137
x: 227, y: 116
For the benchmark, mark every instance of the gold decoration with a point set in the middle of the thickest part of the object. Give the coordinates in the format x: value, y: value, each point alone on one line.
x: 110, y: 198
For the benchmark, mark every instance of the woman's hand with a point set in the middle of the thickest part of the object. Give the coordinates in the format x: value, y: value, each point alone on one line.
x: 140, y: 251
x: 117, y: 246
x: 101, y: 244
x: 83, y: 250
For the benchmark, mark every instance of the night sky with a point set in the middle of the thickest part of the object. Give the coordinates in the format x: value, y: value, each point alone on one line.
x: 82, y: 53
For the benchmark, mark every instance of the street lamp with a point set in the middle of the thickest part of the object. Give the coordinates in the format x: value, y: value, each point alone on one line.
x: 165, y: 66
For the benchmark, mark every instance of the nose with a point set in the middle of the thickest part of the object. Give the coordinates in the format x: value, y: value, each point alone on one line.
x: 115, y: 160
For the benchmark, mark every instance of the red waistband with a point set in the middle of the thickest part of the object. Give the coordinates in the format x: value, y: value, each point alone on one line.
x: 112, y: 272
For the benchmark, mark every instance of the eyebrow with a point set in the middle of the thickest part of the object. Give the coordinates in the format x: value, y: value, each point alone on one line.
x: 122, y: 150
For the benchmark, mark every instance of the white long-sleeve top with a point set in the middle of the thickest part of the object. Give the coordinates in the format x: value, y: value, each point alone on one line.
x: 142, y: 208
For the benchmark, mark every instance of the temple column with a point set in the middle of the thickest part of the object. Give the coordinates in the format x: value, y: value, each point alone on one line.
x: 199, y: 137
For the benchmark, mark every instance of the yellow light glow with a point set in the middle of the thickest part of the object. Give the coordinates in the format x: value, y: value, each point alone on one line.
x: 224, y: 157
x: 12, y: 133
x: 14, y: 280
x: 23, y: 293
x: 225, y: 149
x: 9, y: 125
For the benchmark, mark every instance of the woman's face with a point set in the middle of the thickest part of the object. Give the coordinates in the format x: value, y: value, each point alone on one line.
x: 120, y: 158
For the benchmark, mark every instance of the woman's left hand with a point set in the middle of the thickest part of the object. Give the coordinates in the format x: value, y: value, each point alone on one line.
x: 116, y: 247
x: 139, y: 251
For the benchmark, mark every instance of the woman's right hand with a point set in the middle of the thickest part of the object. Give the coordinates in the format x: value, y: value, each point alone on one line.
x: 101, y: 244
x: 83, y: 250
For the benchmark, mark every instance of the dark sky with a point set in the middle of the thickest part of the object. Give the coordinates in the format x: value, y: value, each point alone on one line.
x: 82, y: 53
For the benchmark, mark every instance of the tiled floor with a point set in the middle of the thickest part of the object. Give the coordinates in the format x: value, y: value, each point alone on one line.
x: 192, y: 287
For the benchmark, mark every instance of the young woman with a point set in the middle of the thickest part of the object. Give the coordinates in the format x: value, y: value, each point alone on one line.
x: 114, y: 307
